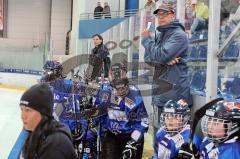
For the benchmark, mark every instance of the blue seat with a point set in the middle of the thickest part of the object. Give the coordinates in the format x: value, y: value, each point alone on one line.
x: 232, y: 52
x: 193, y: 54
x: 227, y: 30
x: 198, y: 81
x: 204, y: 34
x: 202, y: 51
x: 235, y: 87
x: 194, y: 37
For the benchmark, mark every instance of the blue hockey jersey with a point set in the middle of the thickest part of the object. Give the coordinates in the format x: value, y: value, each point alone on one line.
x: 230, y: 149
x: 124, y: 115
x: 167, y: 147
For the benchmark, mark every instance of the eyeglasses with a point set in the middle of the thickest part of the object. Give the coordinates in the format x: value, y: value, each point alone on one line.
x: 162, y: 15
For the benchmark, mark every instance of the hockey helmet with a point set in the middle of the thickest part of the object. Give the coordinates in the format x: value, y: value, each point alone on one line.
x: 175, y: 116
x: 52, y: 70
x: 221, y: 121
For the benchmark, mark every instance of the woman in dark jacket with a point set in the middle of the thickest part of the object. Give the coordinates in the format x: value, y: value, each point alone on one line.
x: 48, y: 138
x: 102, y: 53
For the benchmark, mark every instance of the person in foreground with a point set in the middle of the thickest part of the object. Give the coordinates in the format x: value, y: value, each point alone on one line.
x: 174, y: 131
x: 221, y: 128
x: 48, y: 138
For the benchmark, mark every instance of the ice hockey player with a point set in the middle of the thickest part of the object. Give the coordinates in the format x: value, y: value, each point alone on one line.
x: 221, y: 128
x: 68, y: 104
x: 174, y: 130
x: 53, y: 74
x: 127, y: 118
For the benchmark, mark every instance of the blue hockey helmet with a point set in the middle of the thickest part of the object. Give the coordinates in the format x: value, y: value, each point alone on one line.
x: 221, y: 121
x: 175, y: 116
x: 53, y: 70
x: 50, y: 65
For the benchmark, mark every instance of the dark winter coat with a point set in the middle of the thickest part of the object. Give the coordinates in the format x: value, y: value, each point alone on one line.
x: 106, y: 12
x: 170, y: 42
x: 98, y: 12
x: 101, y: 51
x: 56, y: 144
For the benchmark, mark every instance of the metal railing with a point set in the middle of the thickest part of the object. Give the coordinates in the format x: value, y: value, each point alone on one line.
x: 112, y: 14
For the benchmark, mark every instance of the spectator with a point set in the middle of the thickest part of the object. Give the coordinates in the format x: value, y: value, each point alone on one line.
x: 48, y: 138
x: 201, y: 15
x: 98, y: 11
x: 150, y: 6
x: 106, y: 10
x: 167, y: 53
x: 101, y: 52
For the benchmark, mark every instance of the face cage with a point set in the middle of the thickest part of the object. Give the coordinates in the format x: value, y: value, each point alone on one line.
x: 216, y: 135
x: 122, y: 91
x: 52, y: 74
x: 166, y: 120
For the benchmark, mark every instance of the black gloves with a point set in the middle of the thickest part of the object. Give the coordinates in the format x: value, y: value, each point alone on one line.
x: 188, y: 151
x: 130, y: 150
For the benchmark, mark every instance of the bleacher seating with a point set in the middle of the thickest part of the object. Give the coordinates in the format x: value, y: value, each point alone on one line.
x: 232, y: 52
x: 202, y: 51
x: 204, y: 34
x: 201, y: 35
x: 193, y: 54
x: 198, y: 82
x: 194, y: 37
x: 230, y: 86
x: 235, y: 87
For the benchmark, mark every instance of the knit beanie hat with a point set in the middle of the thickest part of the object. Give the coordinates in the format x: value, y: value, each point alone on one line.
x: 40, y: 98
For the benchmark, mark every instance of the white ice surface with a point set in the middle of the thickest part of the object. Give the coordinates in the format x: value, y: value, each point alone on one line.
x: 10, y: 121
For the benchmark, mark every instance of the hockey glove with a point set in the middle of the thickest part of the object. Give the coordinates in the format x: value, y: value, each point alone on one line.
x: 130, y: 150
x: 188, y: 151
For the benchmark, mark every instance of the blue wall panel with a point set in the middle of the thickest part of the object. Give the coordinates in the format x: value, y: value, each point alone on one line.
x: 131, y: 4
x: 87, y: 28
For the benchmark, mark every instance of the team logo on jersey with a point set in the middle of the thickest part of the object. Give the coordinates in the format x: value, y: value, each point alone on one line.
x: 129, y: 103
x: 178, y: 139
x: 117, y: 115
x: 213, y: 154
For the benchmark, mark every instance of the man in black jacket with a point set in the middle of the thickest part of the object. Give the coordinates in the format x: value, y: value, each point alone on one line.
x: 98, y: 11
x: 48, y: 138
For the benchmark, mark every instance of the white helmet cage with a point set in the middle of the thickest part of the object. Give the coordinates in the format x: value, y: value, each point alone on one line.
x: 221, y: 121
x: 218, y: 130
x: 175, y: 117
